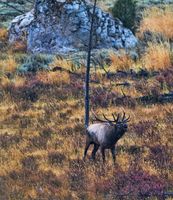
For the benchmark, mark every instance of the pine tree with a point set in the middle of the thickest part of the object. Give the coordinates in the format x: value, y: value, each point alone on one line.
x: 125, y: 10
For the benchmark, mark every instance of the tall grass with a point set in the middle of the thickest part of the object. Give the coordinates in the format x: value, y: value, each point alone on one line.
x: 157, y: 56
x: 54, y: 77
x: 63, y: 63
x: 8, y: 65
x: 121, y: 62
x: 3, y: 34
x: 158, y: 21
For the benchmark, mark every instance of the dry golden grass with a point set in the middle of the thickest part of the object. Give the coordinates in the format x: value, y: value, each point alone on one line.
x: 158, y: 21
x: 46, y: 138
x: 8, y: 65
x: 66, y: 64
x: 3, y: 34
x: 4, y: 81
x: 12, y: 159
x: 54, y: 77
x: 157, y: 56
x: 121, y: 62
x: 19, y: 81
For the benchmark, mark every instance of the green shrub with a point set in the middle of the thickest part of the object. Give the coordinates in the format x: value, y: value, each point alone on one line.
x: 35, y: 63
x: 125, y: 10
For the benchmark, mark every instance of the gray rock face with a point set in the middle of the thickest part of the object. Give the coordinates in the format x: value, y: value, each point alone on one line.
x: 63, y: 26
x: 19, y: 27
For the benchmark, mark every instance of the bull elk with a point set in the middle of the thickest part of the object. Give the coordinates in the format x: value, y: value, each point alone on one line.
x: 105, y: 134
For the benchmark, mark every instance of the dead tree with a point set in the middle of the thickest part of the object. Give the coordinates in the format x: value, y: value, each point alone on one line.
x: 87, y: 77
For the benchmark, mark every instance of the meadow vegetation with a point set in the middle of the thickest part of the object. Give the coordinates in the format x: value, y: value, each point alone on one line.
x: 158, y: 21
x: 42, y: 134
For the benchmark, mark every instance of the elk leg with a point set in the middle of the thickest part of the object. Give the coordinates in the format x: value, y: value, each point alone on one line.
x: 103, y: 154
x: 86, y: 149
x: 96, y: 147
x: 113, y: 154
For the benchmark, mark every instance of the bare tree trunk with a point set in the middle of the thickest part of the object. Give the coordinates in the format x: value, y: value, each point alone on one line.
x: 87, y: 78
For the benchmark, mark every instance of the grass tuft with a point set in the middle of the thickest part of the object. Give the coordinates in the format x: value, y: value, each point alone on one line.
x: 158, y: 21
x: 157, y: 56
x: 121, y: 62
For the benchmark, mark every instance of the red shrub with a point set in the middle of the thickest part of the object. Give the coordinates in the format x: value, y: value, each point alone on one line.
x: 134, y: 183
x: 102, y: 97
x: 147, y: 130
x: 161, y: 156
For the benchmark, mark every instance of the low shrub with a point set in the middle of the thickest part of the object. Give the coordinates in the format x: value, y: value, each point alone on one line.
x: 34, y: 63
x: 125, y: 101
x: 77, y: 175
x: 6, y: 140
x: 38, y: 142
x: 135, y: 183
x: 46, y: 133
x: 161, y: 156
x: 101, y: 97
x: 56, y: 158
x: 44, y: 180
x: 166, y: 77
x: 30, y: 163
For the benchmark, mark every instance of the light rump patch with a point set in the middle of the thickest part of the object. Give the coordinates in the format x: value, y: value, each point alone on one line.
x: 98, y: 130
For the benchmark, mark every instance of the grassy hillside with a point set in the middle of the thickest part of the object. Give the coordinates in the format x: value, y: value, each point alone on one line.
x: 42, y: 137
x: 42, y: 134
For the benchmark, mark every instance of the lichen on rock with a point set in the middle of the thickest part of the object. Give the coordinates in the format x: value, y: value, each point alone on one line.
x: 63, y: 26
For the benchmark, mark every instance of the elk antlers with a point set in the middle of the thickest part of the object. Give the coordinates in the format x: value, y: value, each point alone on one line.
x: 115, y: 119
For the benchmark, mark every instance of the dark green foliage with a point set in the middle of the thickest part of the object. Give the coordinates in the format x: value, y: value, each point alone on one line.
x: 125, y: 10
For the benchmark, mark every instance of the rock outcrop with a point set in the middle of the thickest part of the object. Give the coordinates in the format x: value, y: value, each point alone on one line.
x: 63, y: 26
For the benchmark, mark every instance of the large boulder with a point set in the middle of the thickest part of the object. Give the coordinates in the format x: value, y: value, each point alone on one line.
x: 63, y: 26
